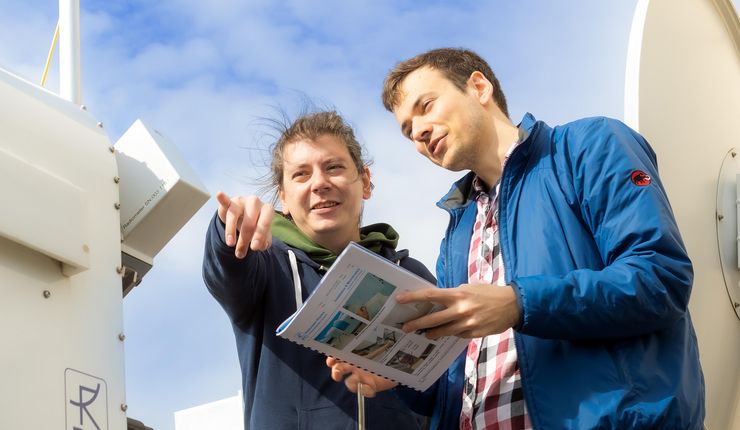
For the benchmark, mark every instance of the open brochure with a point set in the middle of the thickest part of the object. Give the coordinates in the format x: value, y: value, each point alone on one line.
x: 353, y: 316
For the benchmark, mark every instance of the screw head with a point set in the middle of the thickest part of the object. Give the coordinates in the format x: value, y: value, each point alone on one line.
x: 124, y: 407
x: 116, y: 179
x: 737, y: 305
x: 100, y: 124
x: 720, y: 217
x: 111, y: 149
x: 119, y: 270
x: 121, y: 337
x: 117, y: 205
x: 47, y: 294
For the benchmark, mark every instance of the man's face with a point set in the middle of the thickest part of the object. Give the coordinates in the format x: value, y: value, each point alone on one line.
x: 444, y: 122
x: 322, y: 189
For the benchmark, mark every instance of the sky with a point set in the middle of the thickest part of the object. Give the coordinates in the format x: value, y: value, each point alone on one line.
x: 205, y: 73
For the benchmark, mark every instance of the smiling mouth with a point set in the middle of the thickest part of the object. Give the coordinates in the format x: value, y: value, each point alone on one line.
x: 434, y: 143
x: 324, y: 205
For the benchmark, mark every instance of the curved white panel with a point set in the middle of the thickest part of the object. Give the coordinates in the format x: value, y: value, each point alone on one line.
x: 682, y: 92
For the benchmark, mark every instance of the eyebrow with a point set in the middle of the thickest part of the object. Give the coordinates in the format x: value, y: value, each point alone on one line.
x: 333, y: 160
x: 296, y: 166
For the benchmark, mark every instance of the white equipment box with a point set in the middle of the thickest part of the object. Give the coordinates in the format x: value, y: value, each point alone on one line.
x: 159, y: 194
x: 61, y: 235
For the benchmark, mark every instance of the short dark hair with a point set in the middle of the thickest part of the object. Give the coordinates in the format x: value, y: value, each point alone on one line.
x: 456, y: 64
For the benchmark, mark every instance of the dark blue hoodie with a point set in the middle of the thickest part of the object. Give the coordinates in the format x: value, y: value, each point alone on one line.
x: 285, y: 385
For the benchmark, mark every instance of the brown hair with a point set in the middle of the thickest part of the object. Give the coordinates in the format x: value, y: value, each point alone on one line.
x: 310, y: 126
x: 456, y: 64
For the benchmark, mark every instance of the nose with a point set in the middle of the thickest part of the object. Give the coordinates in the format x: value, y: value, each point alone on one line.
x: 420, y: 130
x: 320, y: 181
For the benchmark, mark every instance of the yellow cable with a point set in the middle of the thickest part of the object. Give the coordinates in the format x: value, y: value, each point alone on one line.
x: 51, y: 53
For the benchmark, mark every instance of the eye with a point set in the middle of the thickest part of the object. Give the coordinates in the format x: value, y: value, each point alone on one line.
x: 335, y: 167
x: 408, y: 131
x: 427, y: 105
x: 298, y: 175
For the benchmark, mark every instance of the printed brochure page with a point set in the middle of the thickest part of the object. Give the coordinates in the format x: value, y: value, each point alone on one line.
x: 353, y: 316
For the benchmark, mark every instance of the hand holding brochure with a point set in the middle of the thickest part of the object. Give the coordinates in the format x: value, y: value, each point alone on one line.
x: 353, y: 316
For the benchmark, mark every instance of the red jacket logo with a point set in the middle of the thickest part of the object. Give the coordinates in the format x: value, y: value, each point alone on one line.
x: 640, y: 178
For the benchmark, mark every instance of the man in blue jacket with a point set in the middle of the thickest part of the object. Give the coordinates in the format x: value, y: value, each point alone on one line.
x: 562, y: 262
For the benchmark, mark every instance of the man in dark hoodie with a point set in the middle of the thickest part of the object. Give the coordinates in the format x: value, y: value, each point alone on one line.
x: 260, y: 266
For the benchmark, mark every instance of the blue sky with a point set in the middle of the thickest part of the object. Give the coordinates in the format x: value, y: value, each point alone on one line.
x: 203, y: 73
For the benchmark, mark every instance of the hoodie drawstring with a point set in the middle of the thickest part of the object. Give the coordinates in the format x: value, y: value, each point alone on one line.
x: 296, y: 280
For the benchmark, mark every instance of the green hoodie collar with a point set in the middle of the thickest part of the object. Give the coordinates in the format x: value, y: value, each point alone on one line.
x: 373, y: 237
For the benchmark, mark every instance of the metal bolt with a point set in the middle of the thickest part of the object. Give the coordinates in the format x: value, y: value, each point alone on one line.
x: 111, y: 149
x: 119, y: 270
x: 100, y: 124
x: 124, y: 407
x: 116, y: 179
x: 83, y: 107
x: 121, y: 337
x: 47, y: 294
x: 720, y: 217
x: 117, y: 205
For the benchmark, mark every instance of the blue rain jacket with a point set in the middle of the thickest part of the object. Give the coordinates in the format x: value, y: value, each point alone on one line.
x: 602, y: 279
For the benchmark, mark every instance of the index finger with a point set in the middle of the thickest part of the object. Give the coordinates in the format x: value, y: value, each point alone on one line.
x: 442, y: 296
x: 249, y: 220
x: 261, y: 237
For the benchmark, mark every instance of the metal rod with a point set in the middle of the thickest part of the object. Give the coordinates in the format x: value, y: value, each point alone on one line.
x: 51, y: 54
x: 360, y: 408
x: 69, y: 51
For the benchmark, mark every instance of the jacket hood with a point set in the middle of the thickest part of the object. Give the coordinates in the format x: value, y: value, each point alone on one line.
x: 380, y: 238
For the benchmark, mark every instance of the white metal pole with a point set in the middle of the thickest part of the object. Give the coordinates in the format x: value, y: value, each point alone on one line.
x: 70, y: 86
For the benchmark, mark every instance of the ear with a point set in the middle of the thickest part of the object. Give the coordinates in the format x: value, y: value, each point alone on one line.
x: 367, y: 187
x: 283, y: 203
x: 481, y: 87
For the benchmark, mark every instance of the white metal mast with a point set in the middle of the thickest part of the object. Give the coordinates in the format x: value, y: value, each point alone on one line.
x: 70, y: 86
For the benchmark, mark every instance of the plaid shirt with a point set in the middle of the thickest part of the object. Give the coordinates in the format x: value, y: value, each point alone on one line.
x: 492, y: 397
